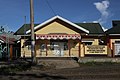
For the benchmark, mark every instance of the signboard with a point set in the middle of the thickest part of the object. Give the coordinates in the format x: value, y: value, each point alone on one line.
x: 95, y: 49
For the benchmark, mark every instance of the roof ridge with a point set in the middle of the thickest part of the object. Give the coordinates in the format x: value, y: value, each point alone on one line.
x: 63, y: 19
x: 87, y: 23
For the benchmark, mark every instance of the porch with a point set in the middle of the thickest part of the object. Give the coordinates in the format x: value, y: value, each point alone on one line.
x: 53, y: 45
x: 58, y: 45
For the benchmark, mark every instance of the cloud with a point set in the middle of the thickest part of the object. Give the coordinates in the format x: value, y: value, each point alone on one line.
x: 84, y: 22
x: 102, y: 7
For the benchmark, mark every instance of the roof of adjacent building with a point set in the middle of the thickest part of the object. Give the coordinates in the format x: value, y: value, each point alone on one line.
x: 115, y: 28
x: 8, y: 38
x: 22, y: 30
x: 116, y: 23
x: 4, y: 39
x: 10, y: 35
x: 94, y: 28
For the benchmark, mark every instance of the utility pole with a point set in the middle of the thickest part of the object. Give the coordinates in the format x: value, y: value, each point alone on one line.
x: 24, y: 37
x: 32, y: 33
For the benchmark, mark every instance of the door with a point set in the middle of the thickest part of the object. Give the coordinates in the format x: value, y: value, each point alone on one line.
x: 58, y: 48
x: 117, y: 48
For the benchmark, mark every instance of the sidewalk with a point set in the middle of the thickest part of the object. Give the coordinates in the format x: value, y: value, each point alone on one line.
x: 98, y: 59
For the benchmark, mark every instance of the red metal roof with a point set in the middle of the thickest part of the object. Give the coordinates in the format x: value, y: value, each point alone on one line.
x: 7, y: 39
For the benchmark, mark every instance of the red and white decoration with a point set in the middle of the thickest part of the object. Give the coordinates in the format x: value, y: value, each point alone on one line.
x: 58, y: 36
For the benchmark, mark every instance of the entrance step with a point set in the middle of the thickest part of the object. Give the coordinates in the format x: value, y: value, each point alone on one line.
x: 58, y: 62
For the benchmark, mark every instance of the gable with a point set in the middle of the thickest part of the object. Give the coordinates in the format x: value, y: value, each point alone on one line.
x: 55, y: 27
x: 61, y: 19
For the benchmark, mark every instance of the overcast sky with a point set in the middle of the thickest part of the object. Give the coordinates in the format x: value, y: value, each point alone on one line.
x: 12, y: 12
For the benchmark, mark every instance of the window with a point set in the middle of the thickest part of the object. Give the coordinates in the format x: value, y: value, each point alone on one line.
x: 29, y: 47
x: 88, y: 43
x: 43, y: 47
x: 65, y: 46
x: 52, y: 46
x: 117, y: 41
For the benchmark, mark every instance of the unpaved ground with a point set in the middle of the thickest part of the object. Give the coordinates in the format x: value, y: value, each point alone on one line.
x: 83, y: 72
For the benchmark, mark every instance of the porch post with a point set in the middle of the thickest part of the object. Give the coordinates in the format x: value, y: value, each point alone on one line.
x: 69, y: 47
x: 84, y: 49
x: 113, y: 50
x: 109, y: 52
x: 46, y: 47
x: 11, y: 52
x: 79, y: 49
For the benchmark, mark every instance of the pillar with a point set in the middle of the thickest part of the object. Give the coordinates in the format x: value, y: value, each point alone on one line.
x: 46, y: 43
x: 113, y: 50
x: 69, y: 47
x: 109, y: 52
x: 79, y: 54
x: 11, y: 51
x: 83, y: 55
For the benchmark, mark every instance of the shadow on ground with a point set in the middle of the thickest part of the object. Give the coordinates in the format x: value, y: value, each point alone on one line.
x: 18, y: 70
x: 30, y: 76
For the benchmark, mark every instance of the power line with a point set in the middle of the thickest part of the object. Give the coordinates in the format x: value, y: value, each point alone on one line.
x: 50, y: 7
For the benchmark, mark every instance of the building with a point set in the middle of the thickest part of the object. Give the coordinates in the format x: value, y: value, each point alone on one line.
x: 59, y: 37
x: 8, y: 45
x: 113, y: 38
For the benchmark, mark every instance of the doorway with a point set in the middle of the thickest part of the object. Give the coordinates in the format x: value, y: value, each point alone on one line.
x: 58, y: 49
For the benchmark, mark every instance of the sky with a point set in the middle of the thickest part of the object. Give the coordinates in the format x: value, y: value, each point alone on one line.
x: 12, y: 12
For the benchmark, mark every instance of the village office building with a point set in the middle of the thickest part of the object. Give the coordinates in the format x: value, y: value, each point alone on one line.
x: 59, y: 37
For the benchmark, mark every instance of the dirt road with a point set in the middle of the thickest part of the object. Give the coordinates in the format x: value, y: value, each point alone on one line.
x: 90, y: 71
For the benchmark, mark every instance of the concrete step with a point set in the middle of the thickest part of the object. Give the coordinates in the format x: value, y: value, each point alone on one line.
x: 59, y: 63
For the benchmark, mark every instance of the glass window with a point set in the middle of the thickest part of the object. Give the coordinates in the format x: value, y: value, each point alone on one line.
x: 65, y: 46
x: 29, y: 47
x: 43, y: 46
x: 88, y: 43
x: 52, y: 46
